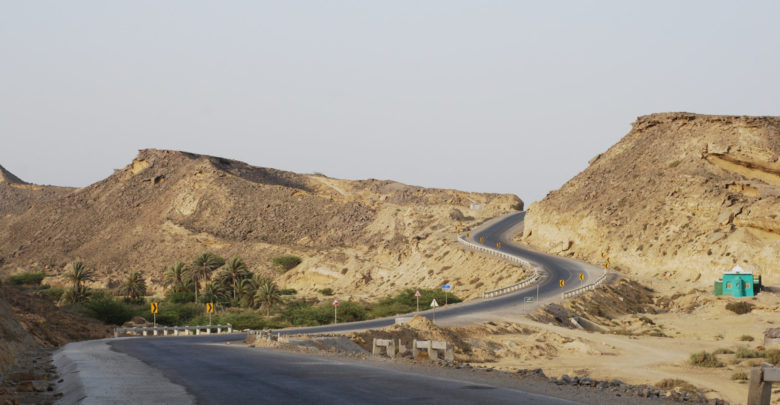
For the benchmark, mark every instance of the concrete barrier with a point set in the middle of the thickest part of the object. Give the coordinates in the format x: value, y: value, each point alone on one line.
x: 174, y: 330
x: 760, y: 385
x: 383, y: 345
x: 434, y: 347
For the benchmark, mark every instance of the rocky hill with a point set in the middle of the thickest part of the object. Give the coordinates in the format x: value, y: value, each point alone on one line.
x: 681, y: 197
x: 360, y: 238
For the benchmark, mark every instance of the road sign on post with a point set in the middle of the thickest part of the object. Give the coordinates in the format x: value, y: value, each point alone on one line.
x: 417, y: 295
x: 481, y: 239
x: 154, y: 313
x: 336, y: 304
x: 562, y: 283
x: 446, y: 288
x: 210, y: 310
x: 582, y: 277
x: 527, y: 300
x: 498, y: 245
x: 434, y: 304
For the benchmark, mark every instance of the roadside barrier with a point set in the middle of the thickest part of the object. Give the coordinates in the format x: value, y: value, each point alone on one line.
x: 587, y: 287
x: 760, y: 384
x: 433, y: 347
x: 510, y: 258
x: 174, y: 330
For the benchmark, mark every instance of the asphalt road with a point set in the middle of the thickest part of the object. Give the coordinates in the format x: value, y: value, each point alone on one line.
x: 215, y: 373
x: 501, y: 229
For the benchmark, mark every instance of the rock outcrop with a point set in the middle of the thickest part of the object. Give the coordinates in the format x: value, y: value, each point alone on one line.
x: 682, y: 197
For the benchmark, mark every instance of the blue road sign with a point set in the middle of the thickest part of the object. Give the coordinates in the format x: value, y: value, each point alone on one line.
x: 446, y: 287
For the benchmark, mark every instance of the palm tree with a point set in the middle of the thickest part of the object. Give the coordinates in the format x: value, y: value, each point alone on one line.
x: 202, y: 267
x: 268, y: 294
x: 232, y: 273
x: 78, y: 275
x: 214, y: 292
x: 134, y: 286
x: 176, y: 277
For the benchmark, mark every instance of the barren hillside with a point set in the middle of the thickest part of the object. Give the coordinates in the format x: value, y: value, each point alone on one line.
x: 360, y: 238
x: 682, y: 197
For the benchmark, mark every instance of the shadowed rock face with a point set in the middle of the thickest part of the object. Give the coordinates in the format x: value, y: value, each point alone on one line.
x: 682, y: 196
x: 167, y: 206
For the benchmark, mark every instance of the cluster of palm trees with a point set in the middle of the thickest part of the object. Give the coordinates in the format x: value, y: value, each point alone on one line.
x: 212, y: 279
x: 209, y: 278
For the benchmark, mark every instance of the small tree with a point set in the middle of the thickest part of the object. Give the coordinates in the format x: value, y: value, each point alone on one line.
x: 268, y: 294
x: 134, y: 287
x: 79, y: 274
x: 175, y: 277
x: 202, y: 267
x: 232, y: 273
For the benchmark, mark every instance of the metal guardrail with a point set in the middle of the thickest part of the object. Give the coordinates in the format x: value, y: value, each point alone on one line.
x: 587, y: 287
x: 175, y: 330
x: 509, y: 258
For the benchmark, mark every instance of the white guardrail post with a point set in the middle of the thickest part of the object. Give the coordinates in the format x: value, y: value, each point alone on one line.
x: 144, y: 331
x: 534, y: 278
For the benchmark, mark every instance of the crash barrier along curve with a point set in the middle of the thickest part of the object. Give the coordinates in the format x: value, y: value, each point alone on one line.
x: 174, y: 330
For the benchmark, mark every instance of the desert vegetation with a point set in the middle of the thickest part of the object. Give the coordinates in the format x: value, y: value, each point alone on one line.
x: 241, y: 297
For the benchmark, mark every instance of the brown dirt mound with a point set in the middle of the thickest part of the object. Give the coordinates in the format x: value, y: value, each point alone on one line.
x: 421, y: 323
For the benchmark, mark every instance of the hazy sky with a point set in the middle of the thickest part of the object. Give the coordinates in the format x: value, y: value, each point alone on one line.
x: 496, y: 96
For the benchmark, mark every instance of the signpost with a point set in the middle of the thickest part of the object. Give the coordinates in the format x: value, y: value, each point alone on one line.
x: 417, y: 295
x: 527, y: 300
x: 434, y: 304
x: 582, y: 277
x: 481, y: 239
x: 498, y: 245
x: 154, y: 312
x: 446, y: 288
x: 335, y: 310
x: 606, y: 264
x: 210, y: 310
x: 562, y: 283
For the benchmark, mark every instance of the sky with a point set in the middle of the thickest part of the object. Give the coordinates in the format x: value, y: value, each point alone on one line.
x: 489, y: 96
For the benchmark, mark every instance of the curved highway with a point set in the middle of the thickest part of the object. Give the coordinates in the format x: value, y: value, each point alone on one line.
x: 502, y: 229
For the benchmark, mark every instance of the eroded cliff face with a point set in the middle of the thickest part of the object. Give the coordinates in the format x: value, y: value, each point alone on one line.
x: 361, y: 238
x: 682, y: 197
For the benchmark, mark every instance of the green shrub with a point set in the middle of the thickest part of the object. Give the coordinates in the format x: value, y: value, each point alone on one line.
x: 288, y: 291
x: 745, y: 353
x: 772, y: 356
x: 108, y: 310
x: 181, y: 297
x: 326, y: 291
x: 405, y: 302
x: 746, y: 338
x: 286, y: 263
x: 723, y: 351
x: 704, y: 359
x: 27, y: 278
x: 739, y: 375
x: 740, y: 307
x: 176, y: 314
x: 676, y: 384
x: 305, y: 313
x: 54, y: 294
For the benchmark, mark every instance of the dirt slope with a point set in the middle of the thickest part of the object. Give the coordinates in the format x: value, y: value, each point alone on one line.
x: 361, y: 238
x: 681, y: 197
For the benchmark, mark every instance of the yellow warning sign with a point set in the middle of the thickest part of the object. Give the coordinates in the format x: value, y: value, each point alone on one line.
x: 498, y: 245
x: 210, y: 307
x: 562, y: 283
x: 582, y: 277
x: 154, y: 307
x: 481, y: 239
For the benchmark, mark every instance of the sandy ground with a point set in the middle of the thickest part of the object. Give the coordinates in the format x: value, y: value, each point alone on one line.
x: 646, y: 359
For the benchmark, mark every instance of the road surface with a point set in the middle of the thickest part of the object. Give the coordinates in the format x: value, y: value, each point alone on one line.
x: 502, y: 229
x: 216, y: 373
